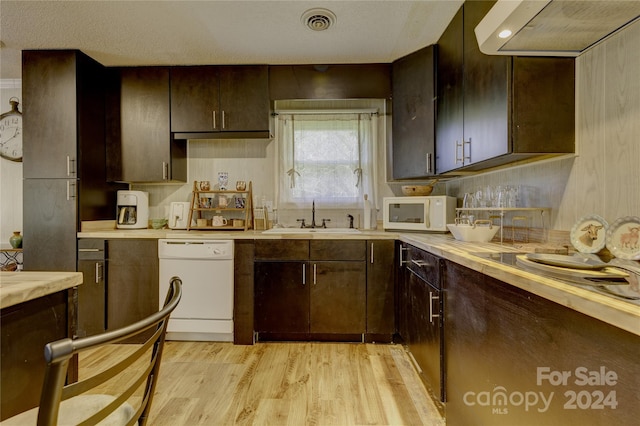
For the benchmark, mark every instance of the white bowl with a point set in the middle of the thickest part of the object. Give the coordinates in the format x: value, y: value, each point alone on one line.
x: 470, y: 233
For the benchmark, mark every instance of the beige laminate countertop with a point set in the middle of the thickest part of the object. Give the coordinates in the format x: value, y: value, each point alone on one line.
x: 608, y: 309
x: 18, y: 287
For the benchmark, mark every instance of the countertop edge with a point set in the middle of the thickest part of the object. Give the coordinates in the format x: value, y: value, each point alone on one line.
x: 23, y: 286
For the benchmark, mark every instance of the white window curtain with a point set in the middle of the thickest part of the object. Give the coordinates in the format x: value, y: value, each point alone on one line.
x: 328, y: 158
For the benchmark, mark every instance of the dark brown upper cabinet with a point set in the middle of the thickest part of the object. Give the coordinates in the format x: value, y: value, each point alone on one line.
x: 64, y: 155
x: 212, y: 99
x: 413, y: 118
x: 495, y: 110
x: 140, y: 145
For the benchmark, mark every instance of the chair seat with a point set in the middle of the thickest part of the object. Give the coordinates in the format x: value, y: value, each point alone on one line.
x: 75, y: 410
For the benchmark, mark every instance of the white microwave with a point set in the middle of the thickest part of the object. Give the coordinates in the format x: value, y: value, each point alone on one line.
x: 430, y: 214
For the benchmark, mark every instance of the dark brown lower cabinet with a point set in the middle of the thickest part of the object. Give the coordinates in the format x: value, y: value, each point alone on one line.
x: 26, y: 328
x: 282, y: 297
x: 132, y: 286
x: 92, y: 294
x: 381, y: 290
x: 338, y: 292
x: 310, y: 289
x: 420, y: 311
x: 514, y: 358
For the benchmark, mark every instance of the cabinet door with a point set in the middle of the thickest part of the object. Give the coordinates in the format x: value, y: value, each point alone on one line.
x: 244, y: 98
x: 425, y: 331
x: 91, y: 298
x: 414, y: 114
x: 450, y: 108
x: 50, y: 223
x: 381, y: 287
x: 49, y: 114
x: 144, y: 124
x: 486, y: 93
x: 338, y: 297
x: 498, y: 337
x: 195, y: 105
x: 133, y: 281
x: 282, y: 297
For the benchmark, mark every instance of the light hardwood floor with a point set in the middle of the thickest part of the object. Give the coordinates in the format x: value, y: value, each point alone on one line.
x: 211, y: 383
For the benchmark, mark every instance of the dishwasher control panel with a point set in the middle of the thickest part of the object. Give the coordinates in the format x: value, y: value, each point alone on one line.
x: 195, y: 249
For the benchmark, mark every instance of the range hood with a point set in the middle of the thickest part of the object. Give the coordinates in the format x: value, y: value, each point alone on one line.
x: 552, y: 27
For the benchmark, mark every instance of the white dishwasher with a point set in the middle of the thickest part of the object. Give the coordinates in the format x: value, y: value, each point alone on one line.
x: 205, y: 312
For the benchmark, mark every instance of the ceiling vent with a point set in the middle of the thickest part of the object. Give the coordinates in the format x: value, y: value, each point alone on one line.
x: 318, y: 19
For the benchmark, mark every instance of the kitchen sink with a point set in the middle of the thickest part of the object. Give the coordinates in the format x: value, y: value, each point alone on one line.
x: 311, y: 231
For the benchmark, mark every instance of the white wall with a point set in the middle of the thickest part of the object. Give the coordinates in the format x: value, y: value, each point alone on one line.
x: 10, y: 174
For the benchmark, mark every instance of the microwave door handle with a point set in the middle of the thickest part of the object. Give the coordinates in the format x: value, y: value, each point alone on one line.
x: 427, y: 210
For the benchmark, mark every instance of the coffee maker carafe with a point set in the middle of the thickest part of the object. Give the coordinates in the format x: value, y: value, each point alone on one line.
x: 133, y: 210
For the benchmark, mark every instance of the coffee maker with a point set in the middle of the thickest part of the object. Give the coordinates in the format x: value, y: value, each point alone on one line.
x: 133, y: 210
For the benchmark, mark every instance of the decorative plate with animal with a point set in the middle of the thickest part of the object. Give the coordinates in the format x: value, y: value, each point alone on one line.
x: 588, y: 234
x: 622, y: 238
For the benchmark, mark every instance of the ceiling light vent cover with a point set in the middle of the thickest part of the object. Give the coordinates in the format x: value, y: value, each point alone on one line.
x: 318, y: 19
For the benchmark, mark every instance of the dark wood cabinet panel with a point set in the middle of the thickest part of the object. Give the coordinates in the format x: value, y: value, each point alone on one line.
x: 299, y: 298
x: 244, y: 98
x: 282, y: 297
x: 282, y: 250
x: 64, y: 154
x: 493, y: 109
x: 140, y: 145
x: 133, y: 281
x: 381, y: 290
x: 413, y: 142
x: 243, y: 300
x: 26, y: 328
x: 220, y: 98
x: 343, y: 250
x: 338, y: 297
x: 421, y: 313
x: 50, y: 114
x: 343, y: 81
x: 92, y: 293
x: 497, y: 336
x: 450, y: 109
x: 50, y: 224
x: 195, y: 99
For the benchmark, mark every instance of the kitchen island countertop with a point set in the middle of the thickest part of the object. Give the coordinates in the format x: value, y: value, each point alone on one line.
x: 616, y: 312
x: 18, y: 287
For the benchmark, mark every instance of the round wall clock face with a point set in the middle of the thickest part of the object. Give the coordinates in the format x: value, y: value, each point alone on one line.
x: 11, y: 133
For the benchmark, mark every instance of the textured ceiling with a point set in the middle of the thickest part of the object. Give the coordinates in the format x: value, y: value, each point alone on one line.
x: 120, y: 33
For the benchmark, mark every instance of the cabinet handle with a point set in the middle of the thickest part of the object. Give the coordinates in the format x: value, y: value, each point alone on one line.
x: 466, y: 157
x: 304, y: 275
x: 459, y: 160
x: 431, y: 299
x: 223, y: 117
x: 402, y: 261
x: 420, y: 263
x: 315, y: 281
x: 71, y: 189
x: 98, y: 276
x: 429, y: 168
x: 70, y: 166
x: 371, y: 253
x: 165, y: 170
x: 214, y: 119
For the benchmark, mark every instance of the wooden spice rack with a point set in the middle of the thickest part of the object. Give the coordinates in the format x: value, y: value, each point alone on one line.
x: 207, y: 204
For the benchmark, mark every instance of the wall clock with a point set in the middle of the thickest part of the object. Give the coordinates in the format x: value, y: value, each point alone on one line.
x: 11, y: 132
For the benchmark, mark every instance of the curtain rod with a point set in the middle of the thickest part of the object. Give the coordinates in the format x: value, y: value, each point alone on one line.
x: 326, y: 111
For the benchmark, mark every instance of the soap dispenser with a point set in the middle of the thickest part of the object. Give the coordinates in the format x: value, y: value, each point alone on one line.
x: 367, y: 212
